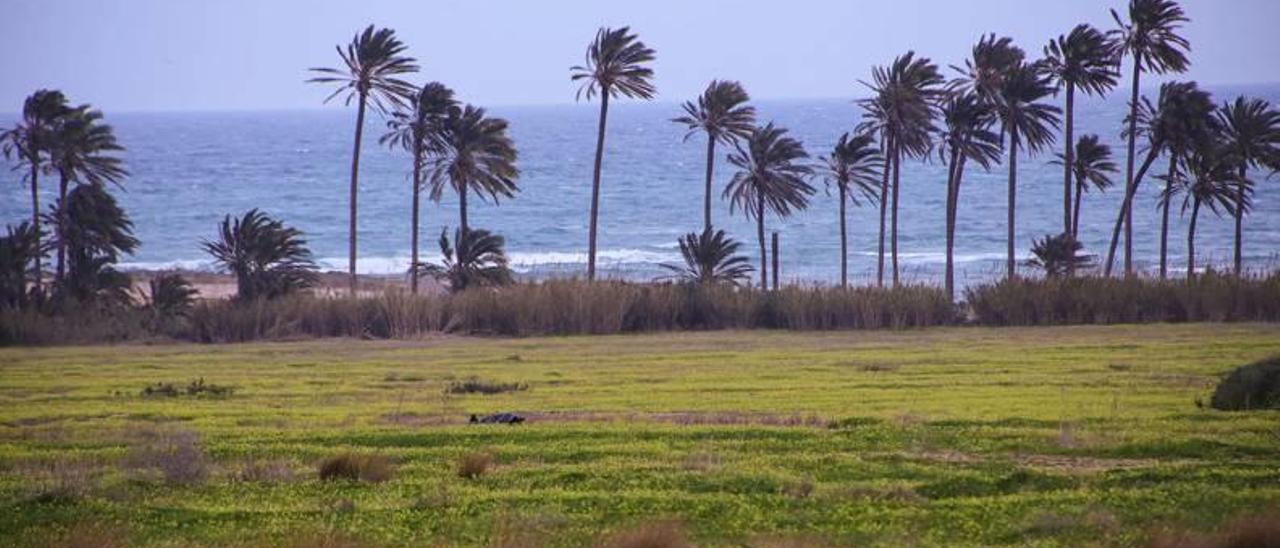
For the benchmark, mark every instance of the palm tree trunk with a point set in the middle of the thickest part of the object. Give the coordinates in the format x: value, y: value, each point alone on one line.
x: 413, y: 229
x: 1130, y: 182
x: 844, y: 241
x: 61, y: 270
x: 897, y: 160
x: 1164, y: 220
x: 1125, y: 205
x: 1010, y: 266
x: 884, y: 204
x: 1075, y: 212
x: 595, y: 186
x: 1239, y: 220
x: 462, y: 214
x: 355, y: 179
x: 1191, y: 240
x: 1069, y: 155
x: 949, y: 274
x: 764, y: 256
x: 706, y: 202
x: 35, y: 218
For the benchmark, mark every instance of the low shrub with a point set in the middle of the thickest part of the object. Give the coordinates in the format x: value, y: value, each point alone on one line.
x: 474, y: 465
x: 356, y: 467
x: 265, y: 471
x: 474, y: 385
x: 1248, y: 531
x: 1253, y: 386
x: 89, y: 534
x: 196, y: 389
x: 60, y: 480
x: 655, y: 534
x: 175, y: 456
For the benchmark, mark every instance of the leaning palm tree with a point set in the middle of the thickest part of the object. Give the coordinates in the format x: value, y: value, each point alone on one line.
x: 1150, y: 38
x: 82, y: 151
x: 1027, y: 121
x: 478, y: 261
x: 418, y: 131
x: 1251, y: 133
x: 854, y: 168
x: 771, y: 178
x: 966, y: 135
x: 1091, y: 168
x: 901, y: 111
x: 722, y: 113
x: 372, y: 64
x: 27, y: 143
x: 710, y: 258
x: 614, y: 66
x: 1085, y: 59
x: 1211, y: 181
x: 475, y: 156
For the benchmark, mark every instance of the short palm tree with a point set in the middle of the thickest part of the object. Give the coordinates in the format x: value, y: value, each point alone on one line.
x: 418, y: 131
x: 854, y: 168
x: 1211, y: 181
x: 1251, y: 133
x: 82, y: 150
x: 966, y: 135
x: 771, y: 178
x: 1150, y: 37
x: 1181, y: 120
x: 478, y: 261
x: 1084, y: 59
x: 723, y: 114
x: 901, y: 111
x: 27, y: 143
x: 1058, y: 255
x: 615, y: 66
x: 19, y: 248
x: 475, y: 156
x: 1029, y: 121
x: 710, y: 258
x: 1091, y: 169
x: 168, y: 296
x: 95, y: 231
x: 373, y: 62
x: 267, y: 258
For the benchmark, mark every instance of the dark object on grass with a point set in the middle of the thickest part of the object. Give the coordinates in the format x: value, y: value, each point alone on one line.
x: 197, y: 388
x: 1254, y: 386
x: 497, y: 418
x: 473, y: 385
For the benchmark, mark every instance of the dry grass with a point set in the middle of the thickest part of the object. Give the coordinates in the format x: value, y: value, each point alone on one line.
x: 369, y: 468
x: 473, y: 465
x: 1260, y: 530
x: 173, y: 455
x: 654, y: 534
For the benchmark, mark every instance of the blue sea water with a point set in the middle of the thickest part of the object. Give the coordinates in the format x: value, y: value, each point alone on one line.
x: 189, y: 169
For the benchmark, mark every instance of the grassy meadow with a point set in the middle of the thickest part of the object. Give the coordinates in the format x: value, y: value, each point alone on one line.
x: 942, y: 436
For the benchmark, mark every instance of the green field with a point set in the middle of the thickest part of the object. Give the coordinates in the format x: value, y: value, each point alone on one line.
x: 957, y: 436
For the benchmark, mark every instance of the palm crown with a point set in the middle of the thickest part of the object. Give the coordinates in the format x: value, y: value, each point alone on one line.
x: 1091, y: 163
x: 966, y: 129
x: 710, y: 257
x: 615, y: 65
x: 902, y: 107
x: 771, y: 177
x: 984, y: 71
x: 1085, y: 58
x: 1151, y: 35
x: 476, y: 155
x: 721, y: 112
x: 373, y: 61
x: 422, y: 125
x: 1181, y: 120
x: 854, y: 166
x: 1251, y: 131
x: 81, y: 148
x: 1029, y: 121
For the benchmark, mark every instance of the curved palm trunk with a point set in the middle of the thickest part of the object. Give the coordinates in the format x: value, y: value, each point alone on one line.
x: 764, y: 256
x: 884, y: 204
x: 1075, y: 212
x: 1069, y: 155
x: 897, y: 160
x: 844, y: 241
x: 61, y: 269
x: 355, y: 178
x: 1164, y: 222
x: 1239, y: 218
x: 1191, y: 239
x: 35, y: 217
x: 413, y: 229
x: 706, y: 203
x: 1130, y: 183
x: 595, y: 186
x: 1125, y: 205
x: 954, y: 176
x: 1010, y: 265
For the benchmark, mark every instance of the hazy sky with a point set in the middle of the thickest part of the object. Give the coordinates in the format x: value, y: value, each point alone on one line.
x: 253, y: 54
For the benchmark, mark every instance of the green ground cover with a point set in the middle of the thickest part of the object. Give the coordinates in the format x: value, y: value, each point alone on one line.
x: 956, y: 436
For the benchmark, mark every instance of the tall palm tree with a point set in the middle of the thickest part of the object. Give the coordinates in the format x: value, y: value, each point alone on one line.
x: 966, y: 135
x: 614, y: 66
x: 475, y: 155
x: 1091, y: 168
x: 81, y: 150
x: 722, y: 113
x: 854, y: 168
x: 1150, y: 38
x: 902, y: 110
x: 1251, y: 133
x: 1181, y: 119
x: 418, y: 131
x: 710, y: 258
x: 372, y: 64
x: 28, y: 144
x: 1027, y: 121
x: 984, y: 71
x: 1211, y: 181
x: 1085, y: 59
x: 770, y: 178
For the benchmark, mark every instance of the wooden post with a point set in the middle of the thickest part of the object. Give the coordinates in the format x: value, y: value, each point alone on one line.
x: 775, y: 261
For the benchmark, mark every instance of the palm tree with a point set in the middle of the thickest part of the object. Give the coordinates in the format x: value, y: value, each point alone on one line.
x: 1211, y: 181
x: 1086, y: 59
x: 478, y: 261
x: 722, y: 113
x: 19, y: 248
x: 710, y: 258
x: 268, y: 259
x: 614, y: 66
x: 1181, y: 120
x: 372, y: 63
x: 95, y: 231
x: 1151, y: 39
x: 1026, y: 120
x: 475, y: 156
x: 984, y: 71
x: 770, y: 178
x: 1058, y: 255
x: 1091, y: 166
x: 902, y: 112
x: 418, y: 131
x: 966, y: 135
x: 854, y: 168
x: 28, y: 144
x: 81, y: 150
x: 1251, y: 133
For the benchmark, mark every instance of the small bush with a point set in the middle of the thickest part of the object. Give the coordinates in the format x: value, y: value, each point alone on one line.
x: 356, y: 467
x: 474, y: 465
x: 60, y: 480
x: 90, y: 535
x: 265, y: 471
x: 657, y: 534
x: 1250, y: 531
x: 474, y: 385
x: 1253, y: 386
x: 176, y: 456
x: 196, y: 389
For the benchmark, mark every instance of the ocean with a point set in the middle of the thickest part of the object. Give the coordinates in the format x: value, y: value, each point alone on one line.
x: 189, y: 169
